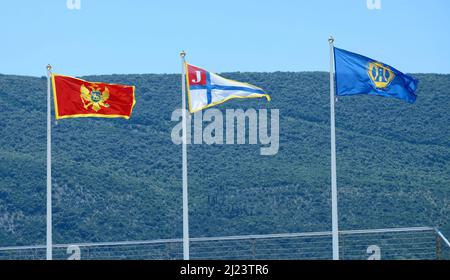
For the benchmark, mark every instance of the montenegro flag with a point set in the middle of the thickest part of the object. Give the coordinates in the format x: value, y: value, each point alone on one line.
x: 76, y: 98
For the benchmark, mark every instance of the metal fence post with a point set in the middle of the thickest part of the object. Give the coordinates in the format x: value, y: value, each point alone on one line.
x: 438, y: 247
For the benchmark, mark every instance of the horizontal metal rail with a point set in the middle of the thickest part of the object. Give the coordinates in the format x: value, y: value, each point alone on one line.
x: 231, y: 238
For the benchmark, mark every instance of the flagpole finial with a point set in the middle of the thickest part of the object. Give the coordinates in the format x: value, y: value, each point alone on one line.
x: 49, y: 67
x: 331, y: 40
x: 183, y: 54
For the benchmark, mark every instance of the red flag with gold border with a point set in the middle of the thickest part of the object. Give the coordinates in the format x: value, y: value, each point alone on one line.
x: 76, y: 98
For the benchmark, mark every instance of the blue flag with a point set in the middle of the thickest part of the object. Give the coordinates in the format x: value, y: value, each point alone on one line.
x: 357, y: 74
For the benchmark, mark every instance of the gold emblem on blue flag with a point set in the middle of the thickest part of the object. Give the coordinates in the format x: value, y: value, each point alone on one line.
x: 358, y: 74
x: 380, y: 74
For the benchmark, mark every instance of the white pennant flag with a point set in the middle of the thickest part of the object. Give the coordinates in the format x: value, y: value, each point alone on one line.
x: 206, y: 89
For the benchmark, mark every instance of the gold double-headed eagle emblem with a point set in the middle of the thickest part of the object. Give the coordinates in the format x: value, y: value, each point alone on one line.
x: 94, y: 97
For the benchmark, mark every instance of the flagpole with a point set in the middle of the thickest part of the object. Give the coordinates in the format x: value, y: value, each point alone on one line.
x: 49, y: 167
x: 334, y: 199
x: 185, y: 175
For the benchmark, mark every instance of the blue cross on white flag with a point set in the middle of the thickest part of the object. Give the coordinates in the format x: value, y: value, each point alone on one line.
x: 206, y: 89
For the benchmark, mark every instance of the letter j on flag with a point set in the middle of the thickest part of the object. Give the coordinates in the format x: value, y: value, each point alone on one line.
x: 357, y: 74
x: 206, y: 89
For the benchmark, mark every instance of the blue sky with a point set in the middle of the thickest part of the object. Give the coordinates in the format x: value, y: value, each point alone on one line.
x: 142, y: 36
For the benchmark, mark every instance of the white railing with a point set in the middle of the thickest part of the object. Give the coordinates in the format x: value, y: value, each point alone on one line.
x: 375, y: 244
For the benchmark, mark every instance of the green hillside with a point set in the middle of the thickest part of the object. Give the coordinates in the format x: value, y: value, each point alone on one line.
x: 120, y: 180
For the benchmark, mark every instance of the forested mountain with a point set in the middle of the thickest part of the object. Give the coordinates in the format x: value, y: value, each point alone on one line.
x: 116, y: 180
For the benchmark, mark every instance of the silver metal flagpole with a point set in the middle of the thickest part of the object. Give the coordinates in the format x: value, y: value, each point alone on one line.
x: 185, y: 175
x: 334, y: 199
x: 49, y: 167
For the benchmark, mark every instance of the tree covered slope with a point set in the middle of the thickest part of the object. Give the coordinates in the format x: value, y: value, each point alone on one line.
x: 117, y: 180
